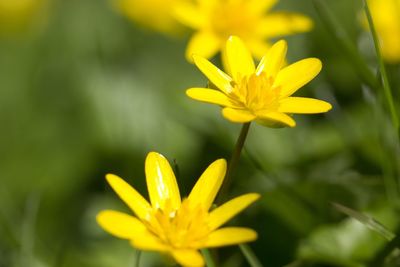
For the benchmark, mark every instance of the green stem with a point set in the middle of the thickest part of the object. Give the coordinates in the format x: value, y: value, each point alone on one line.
x: 385, y: 81
x: 208, y: 258
x: 233, y: 162
x: 250, y: 256
x: 137, y: 258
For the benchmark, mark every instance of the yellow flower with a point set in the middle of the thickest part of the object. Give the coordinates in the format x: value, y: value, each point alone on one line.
x: 215, y: 20
x: 262, y: 94
x: 386, y: 17
x: 170, y: 225
x: 153, y: 14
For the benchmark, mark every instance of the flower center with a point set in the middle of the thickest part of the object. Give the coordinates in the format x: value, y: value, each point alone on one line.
x: 256, y: 92
x: 182, y: 228
x: 232, y: 18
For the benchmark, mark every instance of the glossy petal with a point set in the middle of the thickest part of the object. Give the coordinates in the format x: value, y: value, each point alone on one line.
x: 273, y: 61
x: 302, y: 105
x: 209, y: 96
x: 275, y: 119
x: 129, y: 195
x: 161, y: 182
x: 120, y: 224
x: 148, y: 241
x: 190, y: 15
x: 228, y: 210
x: 239, y: 59
x: 283, y: 23
x: 230, y: 236
x: 238, y: 115
x: 188, y: 257
x: 208, y: 185
x: 296, y: 75
x: 203, y: 43
x: 215, y: 75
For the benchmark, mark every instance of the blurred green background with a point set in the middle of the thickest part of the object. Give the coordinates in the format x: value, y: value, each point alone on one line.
x: 85, y: 92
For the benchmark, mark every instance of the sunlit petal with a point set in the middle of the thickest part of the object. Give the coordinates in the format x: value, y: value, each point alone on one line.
x: 275, y: 119
x: 238, y: 115
x: 188, y: 257
x: 302, y: 105
x: 296, y: 75
x: 230, y: 236
x: 215, y: 75
x: 161, y: 182
x: 238, y: 58
x: 228, y: 210
x: 272, y: 62
x: 129, y: 195
x: 204, y: 44
x: 148, y: 241
x: 208, y: 185
x: 120, y: 224
x: 210, y: 96
x: 283, y: 23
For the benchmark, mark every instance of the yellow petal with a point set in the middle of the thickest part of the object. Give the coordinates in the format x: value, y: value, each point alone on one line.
x: 129, y: 195
x: 272, y: 62
x: 275, y: 119
x: 239, y: 60
x: 209, y: 96
x: 148, y: 241
x: 303, y: 105
x: 230, y: 236
x: 161, y: 182
x: 228, y: 210
x: 208, y: 185
x: 204, y: 44
x: 283, y: 23
x: 215, y: 75
x: 238, y: 115
x: 189, y: 15
x: 261, y: 6
x: 296, y: 75
x: 188, y: 257
x: 120, y: 224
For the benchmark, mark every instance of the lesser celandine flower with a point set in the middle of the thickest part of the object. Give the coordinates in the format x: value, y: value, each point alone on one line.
x: 252, y: 20
x: 170, y: 225
x: 262, y: 94
x: 386, y: 17
x: 154, y: 14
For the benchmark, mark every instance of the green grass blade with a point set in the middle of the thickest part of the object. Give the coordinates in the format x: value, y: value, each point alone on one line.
x: 342, y: 40
x: 383, y: 73
x: 250, y: 256
x: 368, y: 221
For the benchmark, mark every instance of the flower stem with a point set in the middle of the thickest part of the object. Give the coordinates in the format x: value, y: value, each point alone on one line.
x: 208, y: 258
x: 137, y: 258
x: 385, y: 81
x: 233, y: 161
x: 250, y: 256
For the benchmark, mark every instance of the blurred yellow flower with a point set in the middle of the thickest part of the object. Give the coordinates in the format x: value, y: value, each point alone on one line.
x: 17, y: 14
x: 251, y: 20
x: 170, y: 225
x: 262, y: 94
x: 386, y: 17
x: 153, y: 14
